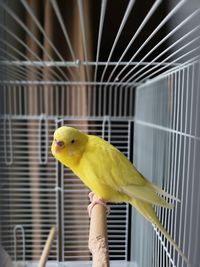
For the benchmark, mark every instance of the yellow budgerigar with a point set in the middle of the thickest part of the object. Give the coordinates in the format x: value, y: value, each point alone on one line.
x: 109, y: 174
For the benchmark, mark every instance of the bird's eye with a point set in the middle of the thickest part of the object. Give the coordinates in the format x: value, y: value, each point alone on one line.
x: 73, y: 141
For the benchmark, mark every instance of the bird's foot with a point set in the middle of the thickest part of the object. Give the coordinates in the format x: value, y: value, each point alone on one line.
x: 91, y: 195
x: 94, y: 201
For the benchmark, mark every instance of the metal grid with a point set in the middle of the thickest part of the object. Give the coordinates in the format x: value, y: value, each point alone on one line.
x: 154, y: 54
x: 28, y: 178
x: 167, y: 135
x: 68, y: 99
x: 151, y: 50
x: 38, y: 192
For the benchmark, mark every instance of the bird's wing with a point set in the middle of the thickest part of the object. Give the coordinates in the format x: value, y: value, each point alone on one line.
x: 146, y: 193
x: 117, y: 172
x: 111, y: 166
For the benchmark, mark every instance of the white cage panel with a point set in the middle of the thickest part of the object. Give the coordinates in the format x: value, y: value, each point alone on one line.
x: 28, y: 179
x: 32, y: 178
x: 167, y: 135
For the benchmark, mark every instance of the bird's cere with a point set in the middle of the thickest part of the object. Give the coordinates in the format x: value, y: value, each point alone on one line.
x: 58, y: 146
x: 59, y: 143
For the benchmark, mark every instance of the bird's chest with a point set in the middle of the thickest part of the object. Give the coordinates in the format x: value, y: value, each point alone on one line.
x: 93, y: 176
x: 90, y: 176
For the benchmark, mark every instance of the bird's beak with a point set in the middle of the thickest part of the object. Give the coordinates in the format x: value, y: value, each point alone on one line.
x: 58, y: 146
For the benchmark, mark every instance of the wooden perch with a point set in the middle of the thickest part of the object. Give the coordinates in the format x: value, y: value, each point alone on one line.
x: 98, y: 242
x: 47, y: 247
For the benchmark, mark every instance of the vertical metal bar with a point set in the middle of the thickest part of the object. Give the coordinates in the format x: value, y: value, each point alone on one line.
x: 115, y: 104
x: 131, y: 100
x: 63, y: 100
x: 168, y: 150
x: 62, y: 208
x: 59, y: 203
x: 104, y: 90
x: 43, y: 120
x: 4, y: 99
x: 109, y: 129
x: 100, y: 101
x: 120, y: 100
x: 190, y: 132
x: 74, y: 101
x: 9, y: 100
x: 68, y: 100
x: 173, y: 156
x: 128, y: 214
x: 161, y: 121
x: 194, y: 161
x: 40, y: 94
x: 102, y: 16
x: 94, y: 94
x: 20, y: 99
x: 89, y: 100
x: 55, y: 90
x: 182, y: 138
x: 79, y: 98
x: 7, y: 136
x: 106, y: 120
x: 110, y: 102
x: 178, y: 149
x: 188, y: 156
x: 26, y: 106
x: 126, y: 101
x: 35, y: 88
x: 155, y: 169
x: 15, y: 100
x: 82, y: 24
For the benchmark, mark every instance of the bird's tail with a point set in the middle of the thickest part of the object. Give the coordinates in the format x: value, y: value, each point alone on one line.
x: 148, y: 212
x: 163, y: 193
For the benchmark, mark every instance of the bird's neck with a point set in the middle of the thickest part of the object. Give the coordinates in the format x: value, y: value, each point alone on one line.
x: 73, y: 161
x: 70, y: 160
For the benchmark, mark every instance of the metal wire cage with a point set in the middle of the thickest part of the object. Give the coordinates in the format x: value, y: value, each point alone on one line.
x: 127, y: 71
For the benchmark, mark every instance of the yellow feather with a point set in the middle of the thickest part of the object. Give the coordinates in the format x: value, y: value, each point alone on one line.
x: 109, y: 174
x: 148, y: 212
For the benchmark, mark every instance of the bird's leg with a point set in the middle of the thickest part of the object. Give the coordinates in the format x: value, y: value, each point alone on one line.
x: 94, y: 201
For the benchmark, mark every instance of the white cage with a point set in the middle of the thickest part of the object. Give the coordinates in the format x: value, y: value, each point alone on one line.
x: 127, y: 71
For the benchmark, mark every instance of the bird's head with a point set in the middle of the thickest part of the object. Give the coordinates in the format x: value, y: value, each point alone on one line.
x: 68, y: 142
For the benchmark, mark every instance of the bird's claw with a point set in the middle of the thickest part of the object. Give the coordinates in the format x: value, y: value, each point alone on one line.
x: 94, y: 201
